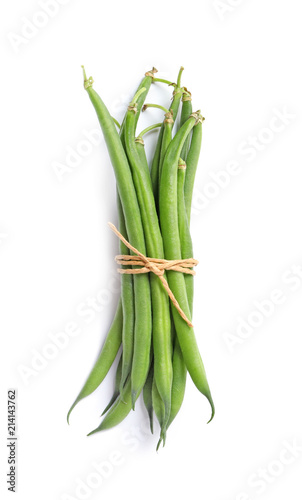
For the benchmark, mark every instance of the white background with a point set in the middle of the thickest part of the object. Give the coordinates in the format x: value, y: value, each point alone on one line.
x: 243, y: 64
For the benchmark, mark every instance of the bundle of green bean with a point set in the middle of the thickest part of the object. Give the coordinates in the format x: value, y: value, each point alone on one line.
x: 157, y: 345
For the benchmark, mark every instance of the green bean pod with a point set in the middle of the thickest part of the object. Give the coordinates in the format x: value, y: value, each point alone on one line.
x: 147, y: 396
x: 186, y: 112
x: 160, y: 302
x: 155, y: 166
x: 127, y: 304
x: 184, y: 230
x: 155, y: 163
x: 179, y: 367
x: 179, y: 381
x: 118, y: 412
x: 160, y: 412
x: 166, y: 139
x: 117, y: 384
x: 192, y: 162
x: 131, y: 211
x: 127, y: 279
x: 105, y: 359
x: 171, y: 239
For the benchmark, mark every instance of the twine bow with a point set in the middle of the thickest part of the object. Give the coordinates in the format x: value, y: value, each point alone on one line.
x: 156, y: 266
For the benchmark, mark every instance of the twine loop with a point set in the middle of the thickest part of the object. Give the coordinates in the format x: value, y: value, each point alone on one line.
x: 155, y: 266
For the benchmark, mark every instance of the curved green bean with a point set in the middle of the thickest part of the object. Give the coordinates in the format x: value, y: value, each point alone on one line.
x: 118, y: 412
x: 127, y: 193
x: 105, y: 359
x: 117, y: 383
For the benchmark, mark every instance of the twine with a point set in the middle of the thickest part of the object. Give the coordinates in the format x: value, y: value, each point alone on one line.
x: 156, y: 266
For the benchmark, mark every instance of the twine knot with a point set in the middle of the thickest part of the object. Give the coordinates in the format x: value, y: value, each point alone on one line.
x: 155, y: 266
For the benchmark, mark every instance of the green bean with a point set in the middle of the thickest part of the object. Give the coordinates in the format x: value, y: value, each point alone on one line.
x: 116, y: 385
x: 105, y: 359
x: 131, y: 212
x: 184, y: 231
x: 160, y: 301
x: 186, y: 111
x: 158, y: 345
x: 192, y: 162
x: 147, y: 396
x: 127, y: 303
x: 177, y: 94
x: 179, y: 381
x: 179, y: 367
x: 127, y: 281
x: 118, y: 412
x: 140, y: 149
x: 166, y: 139
x: 160, y: 412
x: 169, y: 225
x: 155, y: 166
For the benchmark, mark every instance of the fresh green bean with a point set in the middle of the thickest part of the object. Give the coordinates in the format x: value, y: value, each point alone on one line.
x: 116, y: 385
x: 186, y: 111
x: 167, y: 138
x: 155, y: 166
x: 192, y: 162
x: 177, y: 94
x: 105, y: 359
x: 147, y: 396
x: 160, y: 301
x: 118, y: 412
x: 179, y: 367
x: 158, y: 345
x: 127, y: 303
x: 184, y: 231
x: 127, y: 281
x: 131, y: 212
x: 169, y: 226
x: 160, y: 412
x: 179, y: 381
